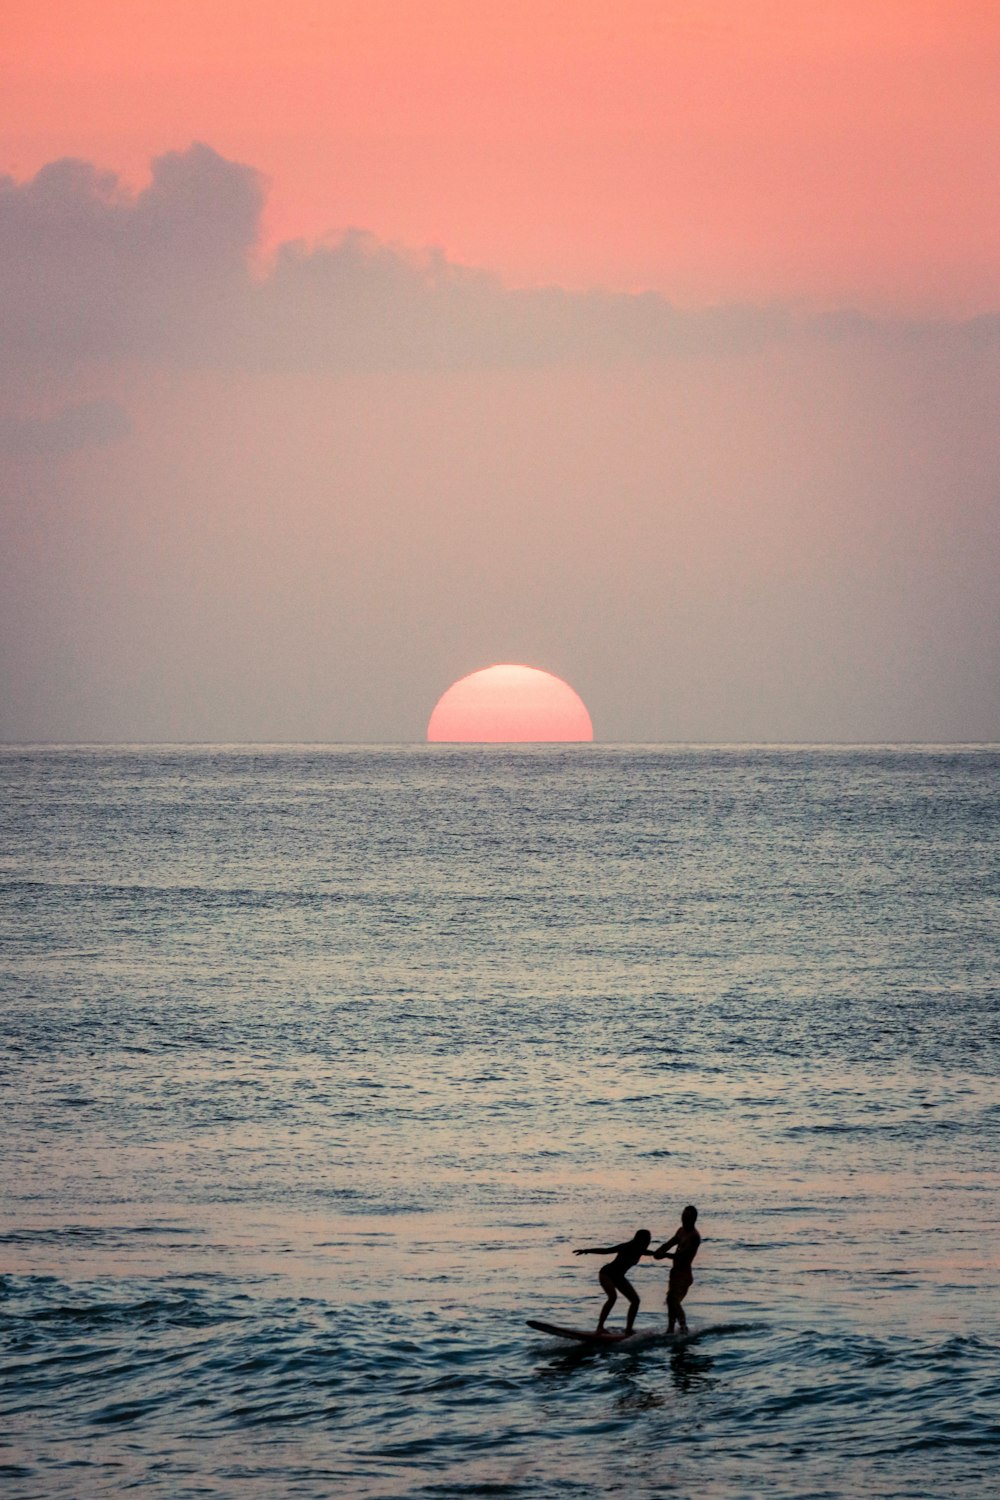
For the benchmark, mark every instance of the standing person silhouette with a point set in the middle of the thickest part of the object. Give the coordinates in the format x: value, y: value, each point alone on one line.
x: 612, y: 1276
x: 681, y: 1250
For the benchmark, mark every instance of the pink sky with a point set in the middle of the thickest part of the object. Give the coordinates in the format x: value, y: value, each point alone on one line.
x: 835, y: 150
x: 697, y: 409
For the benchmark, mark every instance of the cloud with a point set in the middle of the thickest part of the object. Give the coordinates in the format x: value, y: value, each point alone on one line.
x: 78, y: 424
x: 90, y: 270
x: 361, y: 303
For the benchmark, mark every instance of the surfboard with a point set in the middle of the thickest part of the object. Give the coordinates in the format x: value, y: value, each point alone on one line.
x: 581, y: 1335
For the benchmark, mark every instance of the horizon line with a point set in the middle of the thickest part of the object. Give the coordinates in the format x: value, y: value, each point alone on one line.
x: 783, y: 744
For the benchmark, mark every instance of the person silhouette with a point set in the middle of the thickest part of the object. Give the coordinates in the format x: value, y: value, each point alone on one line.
x: 681, y: 1250
x: 612, y: 1276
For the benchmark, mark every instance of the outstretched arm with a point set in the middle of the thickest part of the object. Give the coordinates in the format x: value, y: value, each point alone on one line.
x: 664, y: 1251
x: 597, y: 1250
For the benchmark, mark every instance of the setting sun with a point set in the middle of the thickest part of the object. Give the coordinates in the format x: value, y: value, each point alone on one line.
x: 509, y: 704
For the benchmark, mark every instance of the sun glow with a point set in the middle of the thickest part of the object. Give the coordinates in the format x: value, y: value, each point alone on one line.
x: 510, y: 704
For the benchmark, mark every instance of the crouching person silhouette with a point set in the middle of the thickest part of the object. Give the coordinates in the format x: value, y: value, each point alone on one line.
x: 613, y: 1277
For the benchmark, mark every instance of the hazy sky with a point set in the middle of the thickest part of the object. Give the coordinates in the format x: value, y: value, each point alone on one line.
x: 693, y: 401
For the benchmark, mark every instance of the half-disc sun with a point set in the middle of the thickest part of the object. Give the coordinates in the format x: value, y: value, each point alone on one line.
x: 509, y: 705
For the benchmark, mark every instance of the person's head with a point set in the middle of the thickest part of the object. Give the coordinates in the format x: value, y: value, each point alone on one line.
x: 688, y: 1216
x: 642, y: 1237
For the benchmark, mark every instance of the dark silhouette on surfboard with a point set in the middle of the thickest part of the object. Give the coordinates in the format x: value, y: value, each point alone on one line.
x: 613, y: 1280
x: 681, y: 1249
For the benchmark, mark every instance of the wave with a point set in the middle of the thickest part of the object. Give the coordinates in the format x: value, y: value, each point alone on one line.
x: 410, y: 1389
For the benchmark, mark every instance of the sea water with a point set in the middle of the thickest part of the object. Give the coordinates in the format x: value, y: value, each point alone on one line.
x: 319, y: 1063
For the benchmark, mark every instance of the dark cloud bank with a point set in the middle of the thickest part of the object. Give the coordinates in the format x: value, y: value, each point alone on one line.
x: 90, y: 271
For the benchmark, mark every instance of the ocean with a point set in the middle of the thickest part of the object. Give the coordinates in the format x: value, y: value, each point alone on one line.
x: 318, y: 1063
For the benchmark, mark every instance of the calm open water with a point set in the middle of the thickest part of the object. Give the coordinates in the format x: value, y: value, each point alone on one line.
x: 318, y: 1063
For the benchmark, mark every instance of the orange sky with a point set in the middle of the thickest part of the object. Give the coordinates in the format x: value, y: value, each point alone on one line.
x: 838, y: 150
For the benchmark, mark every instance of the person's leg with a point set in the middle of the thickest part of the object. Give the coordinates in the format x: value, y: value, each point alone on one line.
x: 612, y: 1295
x: 633, y: 1297
x: 675, y: 1296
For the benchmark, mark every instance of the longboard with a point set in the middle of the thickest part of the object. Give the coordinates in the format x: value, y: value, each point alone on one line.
x: 581, y: 1335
